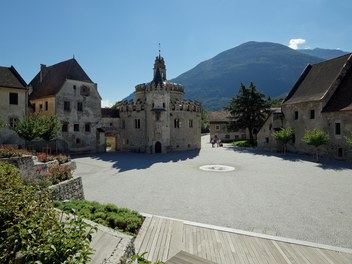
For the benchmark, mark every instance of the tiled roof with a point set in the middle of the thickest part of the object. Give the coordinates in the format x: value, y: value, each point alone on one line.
x: 223, y: 116
x: 10, y: 78
x: 54, y: 76
x: 316, y: 80
x: 341, y: 100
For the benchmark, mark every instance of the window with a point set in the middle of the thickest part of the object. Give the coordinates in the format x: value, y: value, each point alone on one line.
x: 340, y: 152
x: 227, y: 136
x: 46, y: 106
x: 267, y: 140
x: 40, y: 107
x: 64, y: 127
x: 76, y: 127
x: 85, y: 91
x: 13, y: 99
x: 78, y: 141
x: 87, y: 127
x: 337, y: 128
x: 296, y: 115
x: 217, y: 127
x: 312, y: 114
x: 190, y: 123
x: 79, y: 106
x: 33, y: 107
x: 176, y: 123
x: 13, y: 121
x: 66, y: 105
x: 137, y: 123
x: 123, y: 125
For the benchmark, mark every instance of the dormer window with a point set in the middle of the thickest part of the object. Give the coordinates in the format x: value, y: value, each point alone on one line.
x: 85, y: 91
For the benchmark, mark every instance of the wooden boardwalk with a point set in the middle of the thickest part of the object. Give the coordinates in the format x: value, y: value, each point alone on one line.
x: 162, y: 238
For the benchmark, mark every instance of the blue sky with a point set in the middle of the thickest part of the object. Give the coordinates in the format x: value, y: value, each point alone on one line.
x: 116, y: 41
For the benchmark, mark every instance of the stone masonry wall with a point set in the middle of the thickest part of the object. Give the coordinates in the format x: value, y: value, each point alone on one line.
x: 68, y: 190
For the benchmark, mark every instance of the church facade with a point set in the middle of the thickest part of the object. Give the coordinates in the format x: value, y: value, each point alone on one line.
x: 159, y: 119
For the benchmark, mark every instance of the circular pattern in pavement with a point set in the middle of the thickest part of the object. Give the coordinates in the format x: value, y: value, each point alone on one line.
x: 217, y: 167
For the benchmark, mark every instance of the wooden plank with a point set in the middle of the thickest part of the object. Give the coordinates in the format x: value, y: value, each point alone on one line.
x: 226, y: 248
x: 239, y: 248
x: 163, y: 246
x: 282, y: 252
x: 236, y: 258
x: 212, y: 251
x: 153, y: 249
x: 186, y: 258
x: 218, y: 246
x: 188, y: 239
x: 252, y: 251
x: 271, y: 251
x: 262, y: 254
x: 325, y: 256
x: 176, y: 238
x: 141, y: 234
x: 159, y: 243
x: 147, y: 242
x: 168, y: 241
x: 312, y: 255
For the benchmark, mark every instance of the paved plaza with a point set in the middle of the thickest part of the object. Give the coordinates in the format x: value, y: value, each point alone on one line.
x: 288, y: 196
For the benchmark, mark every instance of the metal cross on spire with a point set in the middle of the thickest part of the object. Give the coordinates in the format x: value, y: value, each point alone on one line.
x: 159, y: 50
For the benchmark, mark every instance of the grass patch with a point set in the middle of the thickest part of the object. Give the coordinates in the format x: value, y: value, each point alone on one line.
x: 120, y: 219
x: 241, y: 144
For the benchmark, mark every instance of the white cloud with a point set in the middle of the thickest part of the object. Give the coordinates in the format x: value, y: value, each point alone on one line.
x: 106, y: 103
x: 295, y: 42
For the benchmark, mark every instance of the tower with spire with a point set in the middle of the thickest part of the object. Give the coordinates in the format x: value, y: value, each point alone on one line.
x: 159, y: 119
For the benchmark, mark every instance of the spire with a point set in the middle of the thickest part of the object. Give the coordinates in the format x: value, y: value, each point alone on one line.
x: 159, y: 69
x: 159, y: 51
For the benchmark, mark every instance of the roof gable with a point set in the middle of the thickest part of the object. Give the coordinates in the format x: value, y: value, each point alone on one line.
x: 10, y: 78
x: 341, y: 100
x: 50, y: 79
x: 221, y: 116
x: 317, y: 80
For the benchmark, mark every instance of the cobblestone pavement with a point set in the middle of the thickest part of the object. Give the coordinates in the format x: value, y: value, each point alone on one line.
x: 289, y: 196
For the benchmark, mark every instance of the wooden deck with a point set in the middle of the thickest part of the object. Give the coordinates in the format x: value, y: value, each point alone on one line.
x: 162, y: 238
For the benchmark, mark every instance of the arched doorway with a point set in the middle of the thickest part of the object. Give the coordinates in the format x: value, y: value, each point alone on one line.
x: 157, y: 147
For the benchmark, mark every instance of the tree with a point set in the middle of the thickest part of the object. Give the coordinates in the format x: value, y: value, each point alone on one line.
x: 50, y: 128
x: 204, y: 121
x: 349, y: 137
x: 316, y: 138
x: 31, y: 229
x: 284, y: 135
x: 29, y: 127
x: 249, y: 109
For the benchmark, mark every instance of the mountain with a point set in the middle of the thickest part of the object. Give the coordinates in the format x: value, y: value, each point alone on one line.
x: 273, y: 68
x: 325, y: 54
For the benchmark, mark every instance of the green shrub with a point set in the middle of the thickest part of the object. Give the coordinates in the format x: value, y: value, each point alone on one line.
x: 241, y: 144
x: 31, y: 227
x: 121, y: 219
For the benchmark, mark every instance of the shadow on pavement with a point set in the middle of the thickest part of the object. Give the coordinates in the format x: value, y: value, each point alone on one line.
x: 124, y: 161
x: 324, y: 163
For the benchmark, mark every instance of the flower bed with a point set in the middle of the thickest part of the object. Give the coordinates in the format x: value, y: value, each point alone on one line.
x: 9, y: 151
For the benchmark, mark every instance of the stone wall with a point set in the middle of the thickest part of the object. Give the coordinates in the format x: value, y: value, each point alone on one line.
x: 68, y: 190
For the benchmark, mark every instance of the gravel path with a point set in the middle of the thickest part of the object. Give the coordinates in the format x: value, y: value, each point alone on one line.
x: 289, y: 196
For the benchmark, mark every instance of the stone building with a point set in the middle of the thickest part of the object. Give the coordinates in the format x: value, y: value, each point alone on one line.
x: 65, y: 90
x: 13, y: 96
x: 13, y: 103
x: 220, y: 127
x: 159, y: 119
x: 320, y: 99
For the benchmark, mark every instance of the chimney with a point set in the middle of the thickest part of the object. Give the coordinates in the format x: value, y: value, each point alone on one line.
x: 42, y: 71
